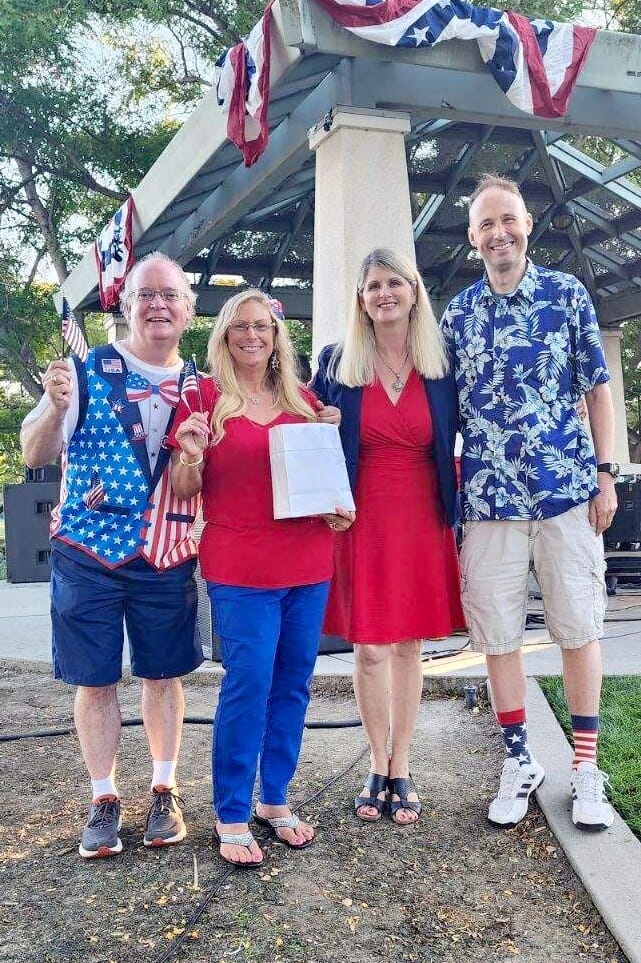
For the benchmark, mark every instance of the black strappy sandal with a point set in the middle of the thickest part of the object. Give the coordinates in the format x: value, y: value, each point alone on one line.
x: 375, y: 783
x: 402, y: 787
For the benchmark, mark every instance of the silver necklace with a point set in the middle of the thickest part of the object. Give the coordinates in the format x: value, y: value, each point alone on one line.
x: 397, y: 385
x: 254, y: 399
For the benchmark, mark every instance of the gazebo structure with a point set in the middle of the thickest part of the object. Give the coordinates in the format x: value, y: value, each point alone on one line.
x: 372, y: 145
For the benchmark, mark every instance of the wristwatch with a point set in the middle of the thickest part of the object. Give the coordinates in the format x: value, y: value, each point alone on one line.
x: 611, y: 467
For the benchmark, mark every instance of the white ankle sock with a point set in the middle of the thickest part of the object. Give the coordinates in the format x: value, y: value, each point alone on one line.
x: 103, y: 787
x: 164, y: 774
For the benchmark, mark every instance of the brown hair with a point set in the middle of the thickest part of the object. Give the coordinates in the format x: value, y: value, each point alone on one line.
x: 493, y: 179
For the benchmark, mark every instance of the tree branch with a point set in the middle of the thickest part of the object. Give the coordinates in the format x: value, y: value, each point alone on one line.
x: 45, y: 222
x: 34, y: 267
x: 84, y: 177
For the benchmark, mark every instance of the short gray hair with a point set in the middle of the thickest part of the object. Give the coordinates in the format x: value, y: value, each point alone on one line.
x: 157, y: 256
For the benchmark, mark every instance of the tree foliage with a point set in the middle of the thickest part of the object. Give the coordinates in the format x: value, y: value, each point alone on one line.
x: 91, y: 91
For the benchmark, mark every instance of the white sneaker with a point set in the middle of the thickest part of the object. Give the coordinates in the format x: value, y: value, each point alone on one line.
x: 518, y: 782
x: 590, y: 807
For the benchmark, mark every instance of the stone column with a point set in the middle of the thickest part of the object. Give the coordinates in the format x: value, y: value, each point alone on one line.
x: 116, y: 327
x: 362, y: 202
x: 611, y: 338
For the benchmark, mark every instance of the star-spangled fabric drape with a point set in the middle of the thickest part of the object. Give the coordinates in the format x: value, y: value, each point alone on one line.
x: 114, y: 253
x: 536, y: 63
x: 242, y: 89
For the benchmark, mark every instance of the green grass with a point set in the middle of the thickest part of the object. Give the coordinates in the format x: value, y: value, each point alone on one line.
x: 619, y: 742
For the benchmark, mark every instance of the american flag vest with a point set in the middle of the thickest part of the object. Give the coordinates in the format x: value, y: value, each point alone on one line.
x: 112, y: 506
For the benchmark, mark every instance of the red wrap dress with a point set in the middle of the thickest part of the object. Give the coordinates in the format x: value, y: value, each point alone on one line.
x: 396, y: 570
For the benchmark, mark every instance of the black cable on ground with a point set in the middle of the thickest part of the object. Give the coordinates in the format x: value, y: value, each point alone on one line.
x: 435, y: 654
x: 226, y: 873
x: 188, y: 720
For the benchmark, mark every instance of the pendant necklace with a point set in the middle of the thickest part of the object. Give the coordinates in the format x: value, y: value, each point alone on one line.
x: 397, y: 385
x: 254, y: 399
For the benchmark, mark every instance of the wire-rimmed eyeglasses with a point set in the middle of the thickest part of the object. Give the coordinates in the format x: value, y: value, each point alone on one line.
x: 260, y: 327
x: 169, y: 295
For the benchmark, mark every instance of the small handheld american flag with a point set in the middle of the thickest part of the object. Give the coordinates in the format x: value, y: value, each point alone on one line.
x: 72, y: 333
x: 190, y: 391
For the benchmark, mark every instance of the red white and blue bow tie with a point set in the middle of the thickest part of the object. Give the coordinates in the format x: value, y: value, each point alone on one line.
x: 138, y: 388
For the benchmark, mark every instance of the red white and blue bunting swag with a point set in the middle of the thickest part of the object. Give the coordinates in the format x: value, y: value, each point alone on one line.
x: 114, y: 250
x: 536, y: 63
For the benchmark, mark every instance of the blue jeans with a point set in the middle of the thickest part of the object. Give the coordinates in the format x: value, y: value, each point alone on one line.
x: 269, y: 642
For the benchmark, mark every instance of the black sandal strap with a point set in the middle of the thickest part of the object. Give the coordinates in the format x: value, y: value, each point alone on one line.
x: 401, y: 787
x: 376, y: 783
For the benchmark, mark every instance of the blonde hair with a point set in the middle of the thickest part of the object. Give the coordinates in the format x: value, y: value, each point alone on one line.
x: 352, y: 362
x: 157, y: 257
x: 282, y: 378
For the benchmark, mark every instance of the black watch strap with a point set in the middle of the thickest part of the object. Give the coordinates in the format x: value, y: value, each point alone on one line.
x: 610, y: 467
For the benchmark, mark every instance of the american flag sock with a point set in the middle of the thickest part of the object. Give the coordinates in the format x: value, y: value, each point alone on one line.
x: 585, y: 733
x: 514, y: 729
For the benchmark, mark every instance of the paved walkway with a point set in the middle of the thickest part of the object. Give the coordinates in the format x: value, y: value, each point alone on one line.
x: 25, y: 633
x: 608, y: 864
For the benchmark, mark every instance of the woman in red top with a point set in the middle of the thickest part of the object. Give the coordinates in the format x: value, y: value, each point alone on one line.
x: 267, y: 580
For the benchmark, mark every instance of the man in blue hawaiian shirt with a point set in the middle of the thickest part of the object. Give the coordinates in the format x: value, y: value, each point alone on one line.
x: 525, y: 346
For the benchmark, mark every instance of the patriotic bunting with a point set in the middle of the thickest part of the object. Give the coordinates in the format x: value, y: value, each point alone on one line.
x: 536, y: 63
x: 242, y: 88
x: 114, y: 251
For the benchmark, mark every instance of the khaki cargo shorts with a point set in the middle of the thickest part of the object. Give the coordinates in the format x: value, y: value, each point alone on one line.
x: 567, y: 559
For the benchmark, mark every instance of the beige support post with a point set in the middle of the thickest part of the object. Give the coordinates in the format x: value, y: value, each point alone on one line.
x: 362, y: 201
x: 612, y: 347
x: 116, y: 327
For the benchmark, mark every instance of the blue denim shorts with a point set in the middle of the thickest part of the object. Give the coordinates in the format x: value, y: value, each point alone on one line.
x: 90, y: 603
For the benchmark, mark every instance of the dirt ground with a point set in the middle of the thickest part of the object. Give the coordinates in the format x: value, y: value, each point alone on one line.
x: 451, y: 889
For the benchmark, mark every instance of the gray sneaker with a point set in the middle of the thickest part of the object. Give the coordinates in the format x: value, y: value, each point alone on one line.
x: 100, y: 835
x: 165, y: 823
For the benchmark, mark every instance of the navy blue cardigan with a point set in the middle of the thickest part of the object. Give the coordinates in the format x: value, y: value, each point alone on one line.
x: 443, y: 402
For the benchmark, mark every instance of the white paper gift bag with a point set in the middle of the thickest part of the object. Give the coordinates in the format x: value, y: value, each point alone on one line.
x: 309, y: 476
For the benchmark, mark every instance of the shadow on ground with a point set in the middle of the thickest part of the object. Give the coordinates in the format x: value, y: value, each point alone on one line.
x: 451, y: 889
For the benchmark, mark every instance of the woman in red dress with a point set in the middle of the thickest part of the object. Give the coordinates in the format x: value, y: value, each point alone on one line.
x: 396, y: 579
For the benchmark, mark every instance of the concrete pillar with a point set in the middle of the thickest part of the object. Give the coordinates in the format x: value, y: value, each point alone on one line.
x: 362, y: 201
x: 116, y: 327
x: 611, y: 338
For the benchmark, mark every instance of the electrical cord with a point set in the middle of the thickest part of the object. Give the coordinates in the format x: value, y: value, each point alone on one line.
x: 433, y: 654
x: 223, y: 876
x: 188, y: 720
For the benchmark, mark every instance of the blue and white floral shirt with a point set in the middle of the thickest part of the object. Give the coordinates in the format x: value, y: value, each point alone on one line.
x: 521, y: 362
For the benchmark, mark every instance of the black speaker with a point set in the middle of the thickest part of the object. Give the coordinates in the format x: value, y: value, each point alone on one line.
x: 27, y: 513
x: 48, y: 473
x: 626, y: 526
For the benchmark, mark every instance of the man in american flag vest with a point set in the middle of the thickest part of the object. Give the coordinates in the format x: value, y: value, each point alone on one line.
x: 122, y: 544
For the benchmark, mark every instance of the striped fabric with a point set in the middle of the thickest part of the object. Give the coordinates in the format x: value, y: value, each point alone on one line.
x: 585, y: 735
x: 72, y: 332
x: 535, y: 62
x: 170, y: 522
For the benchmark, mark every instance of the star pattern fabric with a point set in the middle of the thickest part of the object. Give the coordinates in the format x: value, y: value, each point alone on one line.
x: 515, y: 739
x: 108, y: 456
x: 139, y: 388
